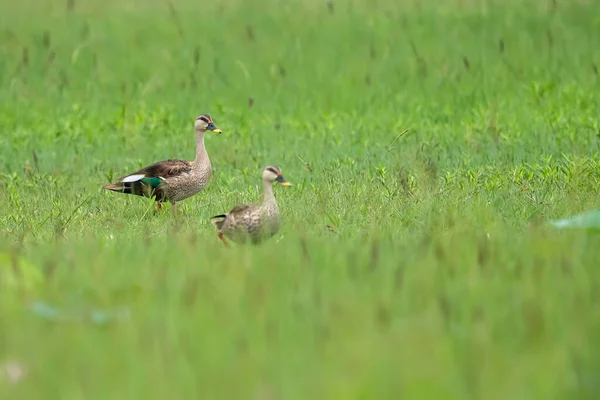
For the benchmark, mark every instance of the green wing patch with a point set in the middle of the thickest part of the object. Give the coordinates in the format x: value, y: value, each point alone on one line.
x: 153, y: 181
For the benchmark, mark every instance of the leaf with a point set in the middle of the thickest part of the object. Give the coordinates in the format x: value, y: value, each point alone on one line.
x: 589, y: 220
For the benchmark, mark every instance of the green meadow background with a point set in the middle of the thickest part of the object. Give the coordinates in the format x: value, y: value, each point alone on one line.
x: 429, y: 142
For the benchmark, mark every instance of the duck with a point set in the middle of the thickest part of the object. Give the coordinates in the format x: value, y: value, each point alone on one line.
x: 172, y: 180
x: 253, y: 223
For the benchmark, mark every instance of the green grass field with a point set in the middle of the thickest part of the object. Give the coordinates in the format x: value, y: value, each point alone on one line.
x: 438, y: 137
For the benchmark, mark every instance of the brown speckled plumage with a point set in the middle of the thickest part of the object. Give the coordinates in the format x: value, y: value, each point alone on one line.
x: 255, y: 222
x: 172, y: 180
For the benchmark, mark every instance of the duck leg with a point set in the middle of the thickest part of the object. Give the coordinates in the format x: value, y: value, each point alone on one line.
x: 174, y: 207
x: 220, y: 235
x: 158, y: 206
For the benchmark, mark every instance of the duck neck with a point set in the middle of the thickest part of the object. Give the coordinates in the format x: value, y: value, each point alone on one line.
x: 268, y: 192
x: 201, y: 154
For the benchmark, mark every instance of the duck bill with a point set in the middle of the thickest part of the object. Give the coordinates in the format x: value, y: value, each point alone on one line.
x: 212, y: 127
x: 282, y: 181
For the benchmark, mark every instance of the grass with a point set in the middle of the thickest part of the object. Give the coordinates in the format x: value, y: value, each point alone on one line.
x: 438, y: 138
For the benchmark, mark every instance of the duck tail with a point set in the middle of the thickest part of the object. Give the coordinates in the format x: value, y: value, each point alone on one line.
x: 218, y: 224
x: 126, y: 187
x: 115, y: 187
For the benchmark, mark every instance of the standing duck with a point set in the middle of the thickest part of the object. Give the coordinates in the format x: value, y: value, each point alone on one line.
x: 172, y: 180
x: 253, y: 222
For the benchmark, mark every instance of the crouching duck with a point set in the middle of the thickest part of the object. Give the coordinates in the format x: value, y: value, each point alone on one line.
x: 256, y: 222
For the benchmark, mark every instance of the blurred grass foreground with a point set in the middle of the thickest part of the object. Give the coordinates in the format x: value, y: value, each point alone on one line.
x: 429, y: 144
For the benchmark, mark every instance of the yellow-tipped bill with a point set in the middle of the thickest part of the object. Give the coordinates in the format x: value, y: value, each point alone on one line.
x: 212, y: 127
x: 282, y: 180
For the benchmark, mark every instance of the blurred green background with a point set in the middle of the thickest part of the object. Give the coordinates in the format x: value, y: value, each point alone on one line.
x: 436, y: 137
